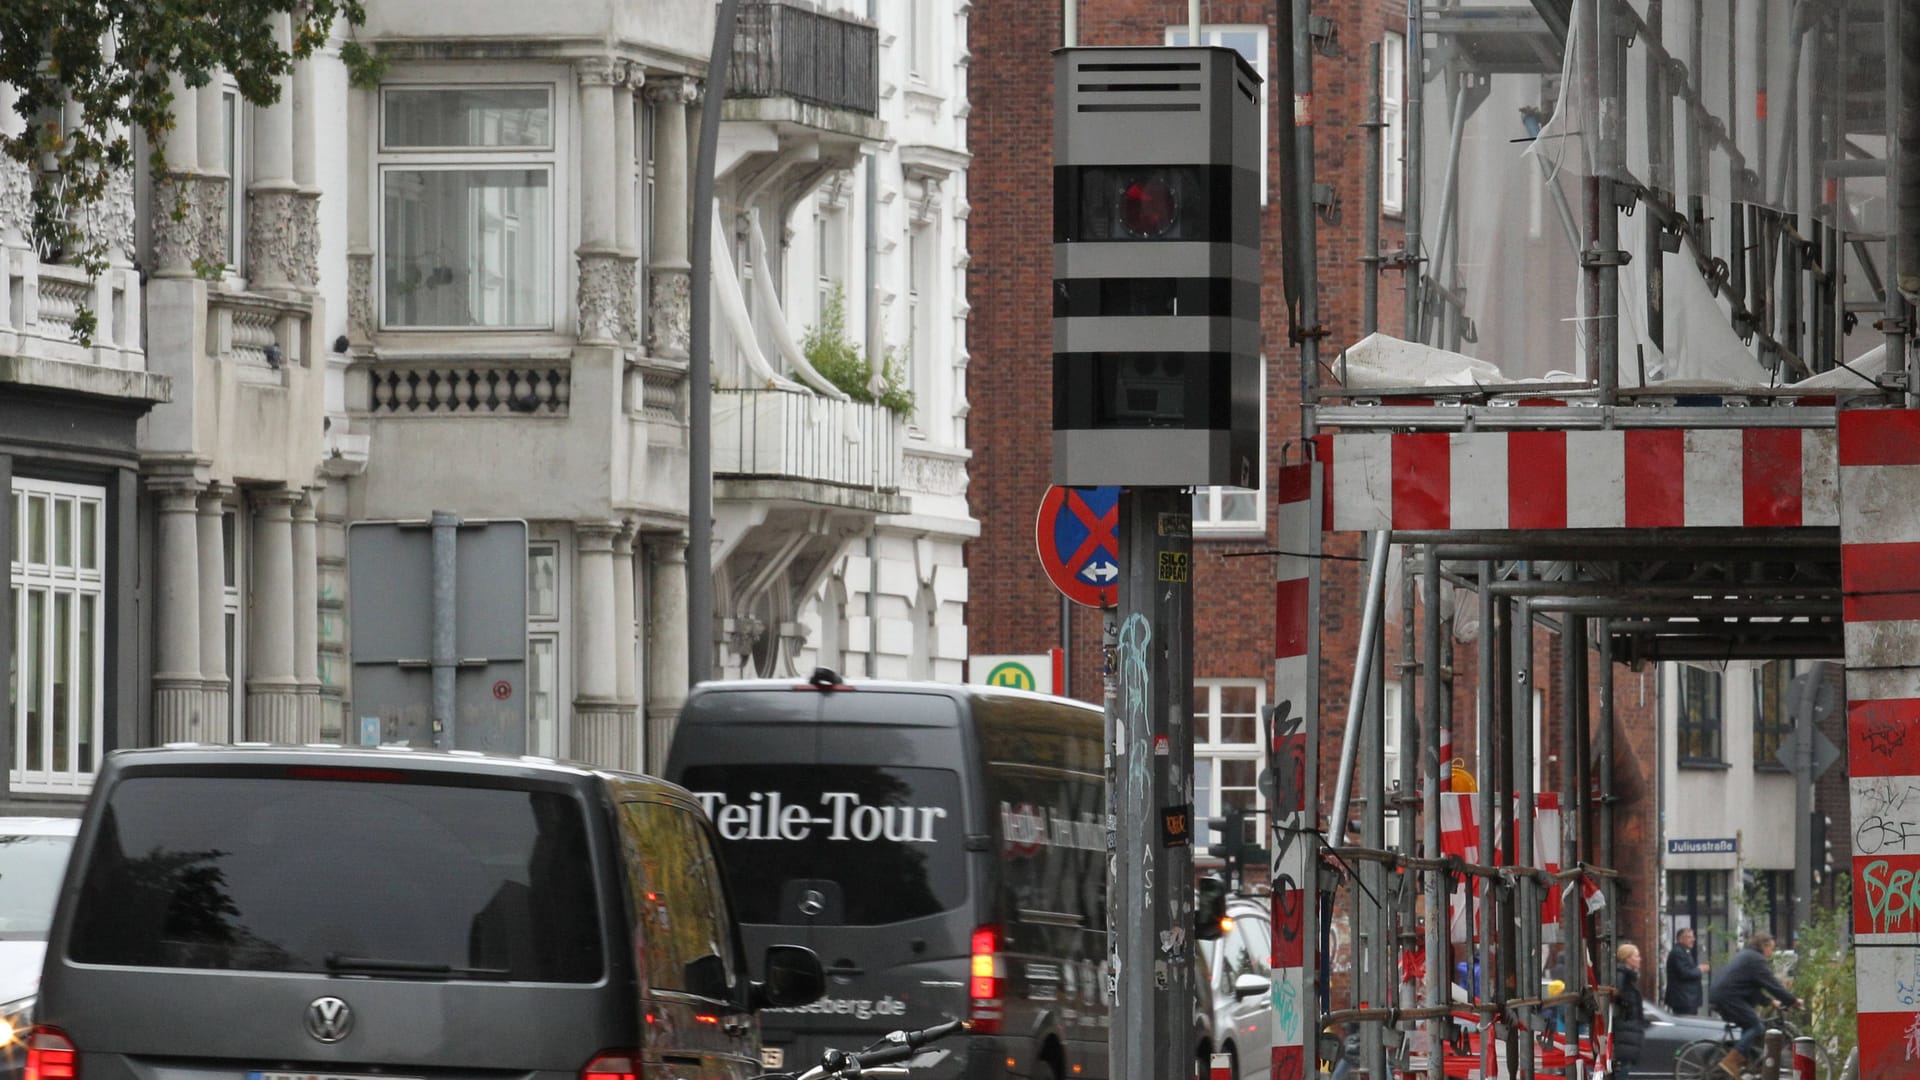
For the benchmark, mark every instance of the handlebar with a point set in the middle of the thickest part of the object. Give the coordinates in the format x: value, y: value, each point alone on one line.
x: 896, y: 1046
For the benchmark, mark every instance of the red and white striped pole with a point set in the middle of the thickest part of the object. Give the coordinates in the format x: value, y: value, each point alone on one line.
x: 1803, y: 1067
x: 1293, y: 734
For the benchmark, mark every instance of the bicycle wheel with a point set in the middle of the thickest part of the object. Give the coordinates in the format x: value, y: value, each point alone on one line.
x: 1698, y: 1060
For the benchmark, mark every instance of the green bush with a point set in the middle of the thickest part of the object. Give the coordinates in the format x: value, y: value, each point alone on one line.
x: 844, y: 364
x: 1823, y: 974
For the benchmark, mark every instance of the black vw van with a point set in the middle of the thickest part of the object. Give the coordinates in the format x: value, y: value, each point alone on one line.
x: 940, y: 847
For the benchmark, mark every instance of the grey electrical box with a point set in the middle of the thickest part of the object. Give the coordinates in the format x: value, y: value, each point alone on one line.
x: 392, y: 574
x: 1156, y: 268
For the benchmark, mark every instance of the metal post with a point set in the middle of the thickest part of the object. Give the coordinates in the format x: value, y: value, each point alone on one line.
x: 1573, y: 670
x: 1413, y: 124
x: 1434, y: 992
x: 1803, y: 855
x: 1305, y: 211
x: 1897, y: 221
x: 1362, y: 667
x: 1774, y: 1049
x: 1497, y: 825
x: 1486, y: 723
x: 446, y: 648
x: 700, y: 363
x: 1609, y: 164
x: 1406, y: 933
x: 1526, y: 923
x: 1151, y: 873
x: 1373, y: 963
x: 1370, y: 198
x: 1066, y: 647
x: 1603, y: 801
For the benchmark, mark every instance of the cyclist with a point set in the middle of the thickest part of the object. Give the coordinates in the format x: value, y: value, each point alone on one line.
x: 1741, y: 986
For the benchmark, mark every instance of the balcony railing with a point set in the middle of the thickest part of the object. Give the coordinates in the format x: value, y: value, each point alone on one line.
x: 260, y: 336
x: 40, y: 306
x: 780, y: 434
x: 783, y: 48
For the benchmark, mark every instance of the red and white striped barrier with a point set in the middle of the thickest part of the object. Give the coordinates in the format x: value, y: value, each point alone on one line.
x: 1879, y: 473
x: 1622, y: 479
x: 1295, y: 749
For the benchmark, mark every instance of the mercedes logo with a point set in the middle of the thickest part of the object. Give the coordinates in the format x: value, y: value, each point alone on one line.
x: 813, y: 904
x: 329, y: 1019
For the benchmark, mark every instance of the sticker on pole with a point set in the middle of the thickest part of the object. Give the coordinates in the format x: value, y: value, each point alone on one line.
x: 1078, y: 533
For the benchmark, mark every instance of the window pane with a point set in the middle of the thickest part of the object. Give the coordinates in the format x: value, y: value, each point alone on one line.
x: 63, y: 533
x: 680, y: 902
x: 62, y: 677
x: 35, y: 662
x: 37, y: 529
x: 1203, y: 714
x: 1238, y: 729
x: 228, y: 103
x: 543, y: 730
x: 467, y: 247
x: 543, y: 583
x: 19, y: 550
x: 1243, y: 700
x: 1203, y: 787
x: 228, y: 523
x: 89, y: 535
x: 1238, y: 772
x: 83, y: 699
x: 475, y: 116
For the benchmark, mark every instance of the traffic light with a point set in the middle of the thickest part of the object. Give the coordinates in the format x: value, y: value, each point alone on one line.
x: 1156, y: 298
x: 1232, y: 828
x: 1822, y: 833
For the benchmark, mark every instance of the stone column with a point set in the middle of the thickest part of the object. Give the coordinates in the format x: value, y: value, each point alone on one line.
x: 598, y: 295
x: 212, y: 221
x: 306, y: 616
x: 175, y: 220
x: 362, y: 114
x: 666, y: 644
x: 306, y: 203
x: 669, y: 306
x: 625, y: 201
x: 625, y: 645
x: 216, y: 681
x: 272, y: 216
x: 177, y: 689
x: 596, y: 715
x: 273, y: 689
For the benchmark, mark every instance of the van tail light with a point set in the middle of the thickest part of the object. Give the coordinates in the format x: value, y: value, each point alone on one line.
x: 985, y: 982
x: 51, y: 1056
x: 613, y: 1065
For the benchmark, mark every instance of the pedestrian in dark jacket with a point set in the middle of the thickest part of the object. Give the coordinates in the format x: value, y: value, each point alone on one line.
x: 1685, y: 974
x: 1744, y: 983
x: 1629, y: 1013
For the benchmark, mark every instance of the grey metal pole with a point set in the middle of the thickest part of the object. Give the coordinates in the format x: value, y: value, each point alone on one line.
x: 1373, y: 955
x: 1435, y: 988
x: 1607, y: 167
x: 1486, y: 724
x: 1370, y: 197
x: 1362, y: 666
x: 700, y: 362
x: 1066, y: 647
x: 1151, y: 871
x: 1526, y: 954
x: 1573, y: 705
x: 1413, y: 123
x: 1307, y: 220
x: 1802, y: 812
x: 1895, y: 325
x: 446, y: 647
x: 1603, y: 809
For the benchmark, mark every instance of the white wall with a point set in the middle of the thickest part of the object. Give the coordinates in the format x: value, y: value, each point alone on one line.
x: 1736, y: 801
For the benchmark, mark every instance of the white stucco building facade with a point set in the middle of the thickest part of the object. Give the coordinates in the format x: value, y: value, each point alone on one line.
x: 462, y: 285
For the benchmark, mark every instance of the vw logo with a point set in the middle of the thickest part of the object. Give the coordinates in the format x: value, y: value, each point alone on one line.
x: 814, y: 903
x: 329, y: 1019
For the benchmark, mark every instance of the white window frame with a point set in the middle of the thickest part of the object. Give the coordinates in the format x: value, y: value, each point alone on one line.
x: 1209, y: 501
x: 1393, y: 135
x: 552, y: 160
x: 548, y: 628
x: 1390, y: 752
x: 918, y: 38
x: 922, y: 241
x: 1215, y: 34
x: 239, y: 151
x: 52, y: 580
x: 1211, y: 752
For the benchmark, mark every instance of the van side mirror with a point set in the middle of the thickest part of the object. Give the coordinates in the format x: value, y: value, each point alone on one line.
x: 794, y: 977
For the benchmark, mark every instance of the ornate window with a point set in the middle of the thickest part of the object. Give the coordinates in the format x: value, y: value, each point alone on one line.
x: 58, y: 577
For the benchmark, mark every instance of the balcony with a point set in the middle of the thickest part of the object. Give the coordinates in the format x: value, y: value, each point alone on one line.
x: 40, y: 339
x: 778, y: 444
x: 783, y: 48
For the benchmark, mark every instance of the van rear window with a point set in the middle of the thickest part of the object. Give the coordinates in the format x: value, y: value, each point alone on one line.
x: 418, y: 879
x: 835, y: 844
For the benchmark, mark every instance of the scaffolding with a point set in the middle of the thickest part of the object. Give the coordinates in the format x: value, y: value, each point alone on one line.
x: 1681, y: 226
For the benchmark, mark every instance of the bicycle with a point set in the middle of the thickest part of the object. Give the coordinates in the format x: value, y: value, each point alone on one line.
x: 1700, y: 1059
x: 879, y: 1059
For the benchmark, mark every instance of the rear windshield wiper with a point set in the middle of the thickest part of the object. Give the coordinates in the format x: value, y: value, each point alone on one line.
x: 405, y: 969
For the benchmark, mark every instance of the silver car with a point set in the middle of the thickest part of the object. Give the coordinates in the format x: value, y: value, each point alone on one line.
x: 1240, y: 964
x: 33, y: 859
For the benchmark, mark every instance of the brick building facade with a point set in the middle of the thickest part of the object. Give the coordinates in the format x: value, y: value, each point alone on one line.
x: 1013, y: 609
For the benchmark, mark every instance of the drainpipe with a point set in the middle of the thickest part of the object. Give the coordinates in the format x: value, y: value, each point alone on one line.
x: 876, y: 349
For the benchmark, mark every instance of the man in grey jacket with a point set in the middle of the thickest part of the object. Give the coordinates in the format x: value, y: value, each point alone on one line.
x: 1742, y: 984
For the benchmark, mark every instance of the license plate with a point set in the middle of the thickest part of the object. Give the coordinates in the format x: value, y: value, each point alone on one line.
x: 773, y: 1057
x: 259, y: 1075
